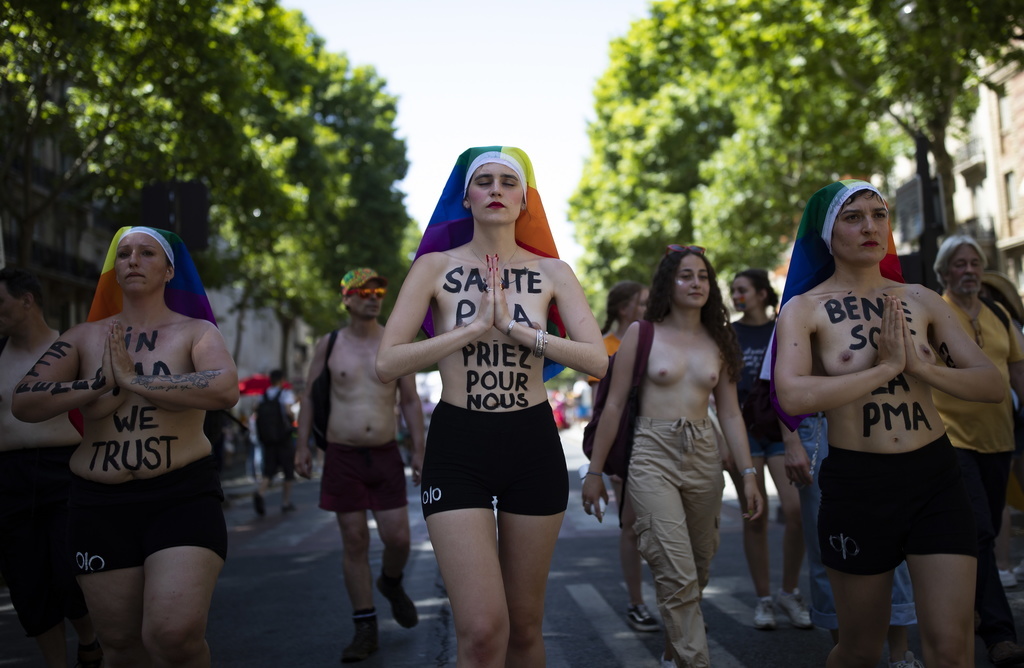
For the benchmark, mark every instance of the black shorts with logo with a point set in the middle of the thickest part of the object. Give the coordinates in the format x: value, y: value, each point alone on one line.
x: 474, y: 456
x: 878, y: 508
x: 120, y: 525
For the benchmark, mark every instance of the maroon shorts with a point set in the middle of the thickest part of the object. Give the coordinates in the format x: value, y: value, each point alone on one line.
x: 363, y: 478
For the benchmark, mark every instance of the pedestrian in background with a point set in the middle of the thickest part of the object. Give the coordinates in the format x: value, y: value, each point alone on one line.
x: 34, y: 485
x: 275, y: 417
x: 146, y: 525
x: 752, y: 297
x: 486, y: 275
x: 624, y: 305
x: 675, y: 470
x: 363, y: 468
x: 982, y: 434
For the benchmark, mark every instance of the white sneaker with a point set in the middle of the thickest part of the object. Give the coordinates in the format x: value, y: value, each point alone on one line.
x: 908, y: 661
x: 764, y: 614
x: 667, y: 663
x: 795, y: 608
x: 1018, y: 571
x: 1008, y: 579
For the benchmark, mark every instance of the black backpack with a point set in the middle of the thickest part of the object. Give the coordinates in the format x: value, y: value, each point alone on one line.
x: 271, y: 426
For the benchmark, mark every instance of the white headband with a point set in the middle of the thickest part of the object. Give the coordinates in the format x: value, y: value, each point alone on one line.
x: 837, y: 203
x: 501, y: 159
x: 149, y: 231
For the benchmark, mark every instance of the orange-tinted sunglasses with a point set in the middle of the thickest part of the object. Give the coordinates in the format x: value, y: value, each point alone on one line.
x: 366, y: 293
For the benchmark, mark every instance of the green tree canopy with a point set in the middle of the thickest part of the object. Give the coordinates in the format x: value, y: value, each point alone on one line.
x: 716, y: 120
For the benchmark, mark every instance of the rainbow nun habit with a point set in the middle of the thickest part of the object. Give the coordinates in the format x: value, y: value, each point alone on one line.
x: 451, y: 224
x: 184, y: 294
x: 812, y: 261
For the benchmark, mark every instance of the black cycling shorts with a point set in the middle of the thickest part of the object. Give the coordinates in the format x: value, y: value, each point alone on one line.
x: 120, y: 525
x: 474, y: 456
x: 878, y: 508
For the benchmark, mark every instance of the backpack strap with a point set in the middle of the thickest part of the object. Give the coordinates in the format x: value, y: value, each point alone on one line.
x: 330, y: 346
x: 998, y: 310
x: 643, y: 351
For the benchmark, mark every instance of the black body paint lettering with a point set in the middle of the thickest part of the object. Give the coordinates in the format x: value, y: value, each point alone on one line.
x: 913, y: 416
x: 142, y: 416
x: 451, y: 282
x: 475, y: 280
x: 464, y: 311
x: 114, y: 450
x: 142, y: 340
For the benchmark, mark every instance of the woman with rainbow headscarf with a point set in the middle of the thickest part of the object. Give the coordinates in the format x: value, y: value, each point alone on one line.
x: 857, y: 343
x: 486, y: 274
x: 145, y: 526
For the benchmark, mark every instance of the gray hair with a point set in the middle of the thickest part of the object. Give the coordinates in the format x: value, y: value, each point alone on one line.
x: 950, y: 246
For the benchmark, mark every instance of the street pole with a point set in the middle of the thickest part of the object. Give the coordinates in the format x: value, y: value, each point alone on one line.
x: 930, y: 224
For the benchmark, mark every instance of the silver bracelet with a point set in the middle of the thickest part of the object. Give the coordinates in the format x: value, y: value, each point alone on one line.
x: 511, y: 324
x: 748, y: 471
x: 543, y: 343
x: 536, y: 345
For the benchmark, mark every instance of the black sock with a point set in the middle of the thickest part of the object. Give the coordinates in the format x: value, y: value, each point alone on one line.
x: 390, y: 581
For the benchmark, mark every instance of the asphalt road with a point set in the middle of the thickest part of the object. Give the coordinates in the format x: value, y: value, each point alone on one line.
x: 280, y: 600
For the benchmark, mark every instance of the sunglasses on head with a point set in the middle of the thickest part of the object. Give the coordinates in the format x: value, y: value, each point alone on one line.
x: 366, y: 293
x: 676, y: 248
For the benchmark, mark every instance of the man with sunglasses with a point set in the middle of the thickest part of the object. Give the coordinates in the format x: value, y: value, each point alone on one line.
x: 983, y: 433
x: 363, y: 467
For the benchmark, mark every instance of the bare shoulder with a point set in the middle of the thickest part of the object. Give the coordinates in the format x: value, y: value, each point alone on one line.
x: 86, y: 332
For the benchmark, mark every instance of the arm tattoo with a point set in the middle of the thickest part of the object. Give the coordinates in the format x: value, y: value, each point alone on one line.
x: 185, y: 381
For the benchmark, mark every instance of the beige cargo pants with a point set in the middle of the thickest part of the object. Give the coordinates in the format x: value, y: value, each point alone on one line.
x: 676, y: 482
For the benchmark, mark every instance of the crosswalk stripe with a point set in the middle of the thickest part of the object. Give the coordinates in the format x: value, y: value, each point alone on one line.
x: 611, y: 627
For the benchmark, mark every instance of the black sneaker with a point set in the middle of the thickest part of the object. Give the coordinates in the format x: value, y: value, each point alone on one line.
x: 258, y: 504
x: 402, y: 607
x: 639, y: 619
x: 364, y: 643
x: 288, y: 508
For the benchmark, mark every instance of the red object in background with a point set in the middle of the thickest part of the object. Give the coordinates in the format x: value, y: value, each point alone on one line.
x: 257, y: 384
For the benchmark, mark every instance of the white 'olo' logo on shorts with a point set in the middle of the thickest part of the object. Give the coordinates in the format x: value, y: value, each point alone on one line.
x: 89, y: 563
x: 431, y: 495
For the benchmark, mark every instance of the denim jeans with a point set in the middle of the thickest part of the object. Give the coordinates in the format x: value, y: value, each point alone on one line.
x: 814, y: 435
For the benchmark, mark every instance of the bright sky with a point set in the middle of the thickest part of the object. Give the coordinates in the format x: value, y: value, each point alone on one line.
x: 477, y: 74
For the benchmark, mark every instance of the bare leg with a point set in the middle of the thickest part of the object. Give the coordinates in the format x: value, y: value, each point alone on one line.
x: 393, y: 528
x: 793, y: 532
x: 755, y: 535
x: 898, y: 645
x: 526, y: 544
x: 115, y: 606
x: 355, y: 558
x: 179, y: 583
x: 466, y: 547
x: 862, y: 606
x: 53, y: 646
x: 944, y: 593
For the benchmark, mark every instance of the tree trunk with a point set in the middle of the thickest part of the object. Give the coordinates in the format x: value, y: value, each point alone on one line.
x: 287, y: 325
x: 944, y: 172
x: 240, y: 310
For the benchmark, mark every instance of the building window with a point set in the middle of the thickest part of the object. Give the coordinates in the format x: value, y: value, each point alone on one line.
x: 1005, y: 122
x: 1010, y: 183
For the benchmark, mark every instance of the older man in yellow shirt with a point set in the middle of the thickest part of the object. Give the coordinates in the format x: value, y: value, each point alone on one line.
x: 983, y: 433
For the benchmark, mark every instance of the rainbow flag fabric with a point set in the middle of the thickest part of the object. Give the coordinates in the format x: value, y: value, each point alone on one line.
x: 812, y: 261
x: 184, y: 294
x: 451, y: 226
